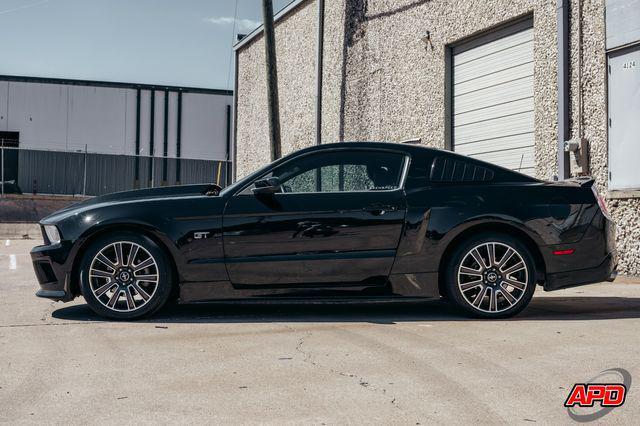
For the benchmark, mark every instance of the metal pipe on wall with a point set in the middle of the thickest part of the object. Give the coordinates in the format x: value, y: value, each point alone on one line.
x: 227, y: 173
x: 562, y: 22
x: 319, y: 68
x: 151, y: 133
x: 165, y: 133
x: 178, y: 138
x: 137, y: 161
x: 579, y: 70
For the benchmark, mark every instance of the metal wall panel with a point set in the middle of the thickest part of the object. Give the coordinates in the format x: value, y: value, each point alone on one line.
x: 623, y: 22
x: 60, y: 116
x: 492, y: 106
x: 39, y: 112
x: 97, y: 118
x: 173, y: 123
x: 4, y: 93
x: 204, y: 125
x: 624, y: 123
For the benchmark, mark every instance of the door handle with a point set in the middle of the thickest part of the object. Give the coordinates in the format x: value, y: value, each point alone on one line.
x: 378, y: 209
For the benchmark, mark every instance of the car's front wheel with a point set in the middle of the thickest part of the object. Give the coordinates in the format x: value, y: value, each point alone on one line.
x: 125, y: 276
x: 491, y: 276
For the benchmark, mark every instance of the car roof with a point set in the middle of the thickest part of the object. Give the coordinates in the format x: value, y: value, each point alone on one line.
x: 372, y: 144
x: 412, y: 148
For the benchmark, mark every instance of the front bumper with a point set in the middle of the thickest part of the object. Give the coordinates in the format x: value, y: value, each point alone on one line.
x: 51, y: 265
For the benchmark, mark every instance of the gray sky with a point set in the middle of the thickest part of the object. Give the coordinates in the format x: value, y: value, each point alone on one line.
x: 174, y: 42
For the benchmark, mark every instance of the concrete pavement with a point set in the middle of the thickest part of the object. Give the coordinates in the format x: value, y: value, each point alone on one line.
x: 392, y: 363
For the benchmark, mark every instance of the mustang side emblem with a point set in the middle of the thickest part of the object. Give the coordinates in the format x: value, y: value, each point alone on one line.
x: 200, y: 235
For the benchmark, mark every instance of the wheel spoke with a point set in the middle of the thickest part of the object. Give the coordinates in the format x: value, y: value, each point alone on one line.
x: 100, y: 274
x: 478, y: 300
x: 515, y: 283
x: 119, y: 258
x: 493, y: 300
x: 103, y: 289
x: 114, y: 298
x: 491, y: 248
x: 105, y: 260
x: 144, y: 264
x: 141, y: 291
x: 468, y: 271
x: 507, y: 295
x: 149, y: 278
x: 515, y: 268
x: 130, y: 303
x: 470, y: 285
x: 132, y: 255
x: 505, y: 258
x: 478, y: 258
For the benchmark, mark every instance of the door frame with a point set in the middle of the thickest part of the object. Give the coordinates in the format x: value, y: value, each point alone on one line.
x: 403, y: 176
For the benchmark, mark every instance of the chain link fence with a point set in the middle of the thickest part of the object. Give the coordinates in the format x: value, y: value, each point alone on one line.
x: 31, y: 171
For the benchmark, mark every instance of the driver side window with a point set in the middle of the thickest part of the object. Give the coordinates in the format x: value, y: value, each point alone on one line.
x: 342, y: 171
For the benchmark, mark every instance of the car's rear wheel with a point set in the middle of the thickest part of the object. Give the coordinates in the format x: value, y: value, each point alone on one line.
x: 125, y: 276
x: 491, y: 276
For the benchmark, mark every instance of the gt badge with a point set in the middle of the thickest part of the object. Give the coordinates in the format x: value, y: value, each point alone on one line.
x: 200, y: 235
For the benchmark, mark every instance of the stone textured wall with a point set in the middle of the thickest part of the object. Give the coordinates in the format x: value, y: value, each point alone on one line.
x: 381, y: 82
x: 295, y: 52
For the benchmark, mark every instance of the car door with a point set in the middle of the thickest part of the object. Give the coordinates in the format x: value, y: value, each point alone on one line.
x: 336, y: 222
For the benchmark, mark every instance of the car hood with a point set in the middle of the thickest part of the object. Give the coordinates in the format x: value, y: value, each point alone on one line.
x: 136, y: 195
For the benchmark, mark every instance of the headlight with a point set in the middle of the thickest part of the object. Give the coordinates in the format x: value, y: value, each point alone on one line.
x: 52, y: 233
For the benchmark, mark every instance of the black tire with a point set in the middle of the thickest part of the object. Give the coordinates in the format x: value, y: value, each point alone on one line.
x: 152, y: 295
x: 474, y: 293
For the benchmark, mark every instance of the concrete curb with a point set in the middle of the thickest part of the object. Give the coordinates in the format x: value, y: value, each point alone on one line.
x: 20, y: 231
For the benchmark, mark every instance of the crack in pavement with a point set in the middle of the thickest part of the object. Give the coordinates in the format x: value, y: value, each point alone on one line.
x: 307, y: 358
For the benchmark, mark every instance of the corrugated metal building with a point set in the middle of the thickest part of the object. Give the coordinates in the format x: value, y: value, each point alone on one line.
x: 507, y: 81
x: 121, y: 127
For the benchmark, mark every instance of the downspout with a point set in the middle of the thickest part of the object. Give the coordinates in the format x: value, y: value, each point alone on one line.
x: 227, y: 164
x: 319, y: 59
x: 319, y: 68
x: 579, y: 70
x: 562, y: 19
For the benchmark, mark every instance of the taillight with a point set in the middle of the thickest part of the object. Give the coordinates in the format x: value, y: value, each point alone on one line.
x: 601, y: 203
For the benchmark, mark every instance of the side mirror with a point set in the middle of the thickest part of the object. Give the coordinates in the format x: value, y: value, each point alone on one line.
x: 267, y: 186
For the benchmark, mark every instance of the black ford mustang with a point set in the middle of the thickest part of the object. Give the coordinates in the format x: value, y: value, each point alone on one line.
x: 336, y: 222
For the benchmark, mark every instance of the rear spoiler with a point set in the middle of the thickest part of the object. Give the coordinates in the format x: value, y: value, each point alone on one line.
x: 583, y: 181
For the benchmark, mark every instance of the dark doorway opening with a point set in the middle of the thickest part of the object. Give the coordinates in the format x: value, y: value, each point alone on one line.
x: 9, y: 142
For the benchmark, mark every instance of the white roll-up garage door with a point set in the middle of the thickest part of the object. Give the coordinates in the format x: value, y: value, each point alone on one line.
x: 492, y: 102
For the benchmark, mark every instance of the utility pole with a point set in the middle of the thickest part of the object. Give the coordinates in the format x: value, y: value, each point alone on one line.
x: 272, y: 78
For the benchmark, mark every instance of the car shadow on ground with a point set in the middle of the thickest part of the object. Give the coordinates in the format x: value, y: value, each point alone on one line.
x: 540, y: 309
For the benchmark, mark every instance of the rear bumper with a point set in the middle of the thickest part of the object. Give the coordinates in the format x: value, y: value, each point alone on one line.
x: 49, y: 265
x: 593, y: 258
x: 606, y: 271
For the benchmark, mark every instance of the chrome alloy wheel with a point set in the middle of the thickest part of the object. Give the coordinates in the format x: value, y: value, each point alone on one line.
x: 493, y: 277
x: 123, y: 276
